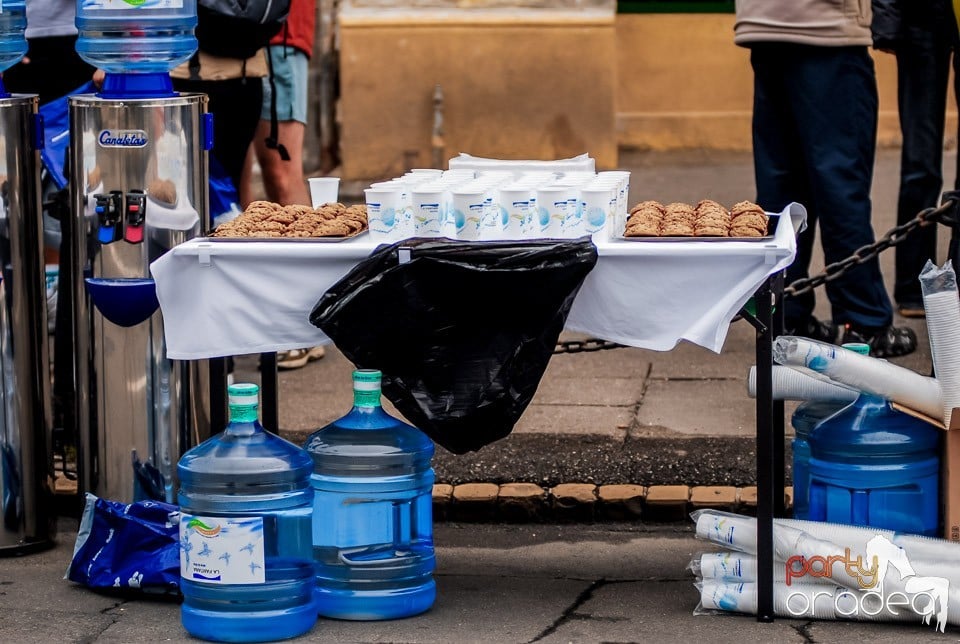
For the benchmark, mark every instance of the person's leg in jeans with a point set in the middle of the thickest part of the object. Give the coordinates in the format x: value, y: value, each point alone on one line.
x: 923, y: 66
x: 780, y: 174
x: 835, y: 106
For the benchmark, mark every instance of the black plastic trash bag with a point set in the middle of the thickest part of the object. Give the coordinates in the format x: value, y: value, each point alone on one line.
x: 462, y: 332
x: 128, y: 549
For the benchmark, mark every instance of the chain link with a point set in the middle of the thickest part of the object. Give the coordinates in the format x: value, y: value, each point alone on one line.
x: 866, y: 253
x: 585, y: 346
x: 831, y: 272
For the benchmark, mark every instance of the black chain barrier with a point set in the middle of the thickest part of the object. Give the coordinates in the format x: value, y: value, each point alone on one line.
x: 947, y: 213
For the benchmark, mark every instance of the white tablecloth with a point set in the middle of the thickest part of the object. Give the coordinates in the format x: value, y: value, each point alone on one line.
x: 232, y: 298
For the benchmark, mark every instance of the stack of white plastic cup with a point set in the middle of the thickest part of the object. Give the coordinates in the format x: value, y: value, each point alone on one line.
x: 619, y: 221
x: 942, y: 307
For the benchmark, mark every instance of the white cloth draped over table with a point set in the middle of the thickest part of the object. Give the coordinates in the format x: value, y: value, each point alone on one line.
x: 232, y: 298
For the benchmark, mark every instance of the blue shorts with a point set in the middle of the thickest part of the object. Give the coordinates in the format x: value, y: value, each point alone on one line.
x: 290, y: 79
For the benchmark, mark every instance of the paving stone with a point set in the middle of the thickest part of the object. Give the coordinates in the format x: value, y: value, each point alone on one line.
x: 697, y: 407
x: 724, y: 497
x: 442, y: 498
x: 748, y: 499
x: 474, y: 502
x: 667, y: 502
x: 574, y: 501
x: 575, y: 419
x: 521, y: 502
x: 620, y: 502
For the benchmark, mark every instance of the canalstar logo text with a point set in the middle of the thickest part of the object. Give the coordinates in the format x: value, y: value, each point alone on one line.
x: 122, y: 138
x: 876, y: 593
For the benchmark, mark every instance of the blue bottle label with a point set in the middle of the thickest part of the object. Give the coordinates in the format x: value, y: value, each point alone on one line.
x: 89, y: 5
x: 218, y: 550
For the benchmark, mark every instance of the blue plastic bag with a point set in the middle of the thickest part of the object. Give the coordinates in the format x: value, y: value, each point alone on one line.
x: 56, y: 133
x: 129, y: 549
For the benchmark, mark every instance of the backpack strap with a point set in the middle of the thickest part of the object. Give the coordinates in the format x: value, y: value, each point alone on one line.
x: 272, y: 140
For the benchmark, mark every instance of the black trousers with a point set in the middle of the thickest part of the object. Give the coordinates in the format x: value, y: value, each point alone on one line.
x: 923, y: 67
x: 235, y: 104
x: 814, y: 142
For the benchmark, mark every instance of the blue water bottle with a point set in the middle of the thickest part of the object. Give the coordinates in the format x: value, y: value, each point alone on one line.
x: 372, y: 519
x: 136, y: 42
x: 13, y: 43
x: 245, y: 557
x: 871, y: 465
x: 804, y: 419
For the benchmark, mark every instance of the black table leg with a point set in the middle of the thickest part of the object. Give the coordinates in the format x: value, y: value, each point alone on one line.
x: 269, y: 389
x: 218, y: 395
x: 779, y: 455
x: 767, y: 466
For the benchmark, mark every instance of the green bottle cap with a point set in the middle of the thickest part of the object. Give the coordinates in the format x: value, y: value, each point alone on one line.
x: 858, y: 347
x: 243, y: 394
x: 366, y: 388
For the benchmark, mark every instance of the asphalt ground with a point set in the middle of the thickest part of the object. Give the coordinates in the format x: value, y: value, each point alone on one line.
x: 549, y: 584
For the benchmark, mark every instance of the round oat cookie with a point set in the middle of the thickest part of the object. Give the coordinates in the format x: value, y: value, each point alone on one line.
x: 643, y: 205
x: 745, y: 206
x: 679, y: 207
x: 677, y: 230
x: 642, y: 230
x: 751, y: 220
x: 710, y: 231
x: 745, y: 232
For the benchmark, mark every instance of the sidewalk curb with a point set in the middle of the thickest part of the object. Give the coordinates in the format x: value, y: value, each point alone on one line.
x: 587, y: 503
x: 571, y: 502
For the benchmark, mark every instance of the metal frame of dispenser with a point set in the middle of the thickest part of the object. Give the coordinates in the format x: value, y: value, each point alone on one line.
x: 138, y: 188
x: 28, y: 519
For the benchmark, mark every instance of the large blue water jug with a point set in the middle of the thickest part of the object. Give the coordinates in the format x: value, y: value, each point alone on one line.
x: 372, y: 518
x: 804, y: 419
x: 13, y: 24
x: 245, y: 559
x: 871, y: 465
x: 142, y: 36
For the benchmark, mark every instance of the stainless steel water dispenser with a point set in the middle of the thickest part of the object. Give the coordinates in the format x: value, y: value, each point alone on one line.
x: 139, y: 188
x: 26, y: 455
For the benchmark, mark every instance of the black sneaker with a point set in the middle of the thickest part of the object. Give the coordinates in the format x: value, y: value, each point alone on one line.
x: 885, y: 342
x: 814, y: 329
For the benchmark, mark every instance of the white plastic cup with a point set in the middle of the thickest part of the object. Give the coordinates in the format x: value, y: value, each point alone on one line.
x: 573, y: 225
x: 384, y: 213
x: 429, y: 211
x: 516, y: 206
x: 552, y: 207
x: 324, y: 190
x: 493, y: 224
x: 598, y: 206
x: 468, y: 209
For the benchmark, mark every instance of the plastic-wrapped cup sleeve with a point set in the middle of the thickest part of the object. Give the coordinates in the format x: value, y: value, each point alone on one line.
x: 792, y: 384
x: 942, y: 308
x: 877, y: 377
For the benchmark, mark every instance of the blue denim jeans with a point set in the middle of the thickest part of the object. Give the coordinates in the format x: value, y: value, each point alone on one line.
x: 814, y: 141
x: 923, y: 67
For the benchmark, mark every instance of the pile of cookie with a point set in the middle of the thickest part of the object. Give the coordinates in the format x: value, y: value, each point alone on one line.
x: 706, y: 219
x: 268, y: 219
